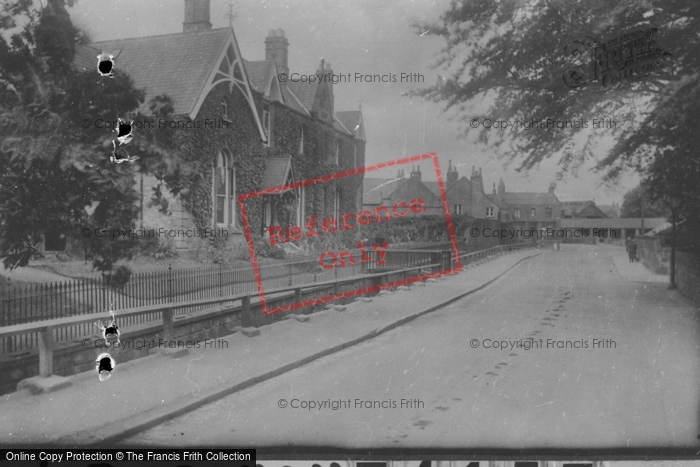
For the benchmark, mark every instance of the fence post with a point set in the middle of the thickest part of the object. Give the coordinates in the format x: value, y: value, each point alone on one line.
x: 221, y: 285
x: 246, y: 318
x: 290, y: 274
x: 297, y: 295
x: 168, y: 324
x: 170, y: 282
x: 46, y: 352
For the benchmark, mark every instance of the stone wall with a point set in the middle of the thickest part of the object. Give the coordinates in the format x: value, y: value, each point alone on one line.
x: 71, y: 357
x: 653, y: 255
x: 688, y: 275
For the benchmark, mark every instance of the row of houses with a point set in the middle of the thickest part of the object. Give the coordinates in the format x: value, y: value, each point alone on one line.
x: 466, y: 196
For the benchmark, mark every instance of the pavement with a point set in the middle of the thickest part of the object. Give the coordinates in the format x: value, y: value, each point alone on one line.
x: 613, y: 364
x: 146, y: 392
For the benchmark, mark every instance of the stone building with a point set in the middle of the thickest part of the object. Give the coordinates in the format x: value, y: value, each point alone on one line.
x: 529, y: 210
x: 466, y: 195
x: 249, y: 130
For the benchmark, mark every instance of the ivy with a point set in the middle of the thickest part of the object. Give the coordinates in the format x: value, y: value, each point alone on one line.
x: 193, y: 183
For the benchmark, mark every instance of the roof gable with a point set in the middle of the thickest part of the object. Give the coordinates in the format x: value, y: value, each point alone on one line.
x: 352, y: 120
x: 263, y: 77
x: 278, y: 172
x: 591, y: 211
x: 184, y: 66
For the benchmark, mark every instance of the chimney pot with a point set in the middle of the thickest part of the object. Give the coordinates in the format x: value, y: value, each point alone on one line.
x: 196, y: 16
x: 277, y: 49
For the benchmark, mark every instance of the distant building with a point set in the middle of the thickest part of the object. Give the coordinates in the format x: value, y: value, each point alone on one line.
x: 466, y: 196
x: 582, y: 210
x: 610, y: 210
x: 529, y: 210
x: 387, y: 192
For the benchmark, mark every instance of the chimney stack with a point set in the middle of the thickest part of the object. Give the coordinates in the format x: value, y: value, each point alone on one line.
x: 451, y: 174
x: 325, y: 70
x: 196, y: 16
x: 277, y: 49
x: 552, y: 186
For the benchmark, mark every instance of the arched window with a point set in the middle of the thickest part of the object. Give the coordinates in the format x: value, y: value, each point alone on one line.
x: 224, y: 190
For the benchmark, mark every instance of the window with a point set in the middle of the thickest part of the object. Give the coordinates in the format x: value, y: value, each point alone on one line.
x: 527, y: 464
x: 563, y: 213
x: 266, y: 122
x: 516, y: 213
x: 336, y: 205
x: 337, y: 151
x: 301, y: 140
x: 489, y: 212
x: 224, y: 110
x: 301, y: 205
x: 533, y: 212
x: 355, y: 163
x: 548, y: 213
x: 224, y: 191
x: 458, y: 209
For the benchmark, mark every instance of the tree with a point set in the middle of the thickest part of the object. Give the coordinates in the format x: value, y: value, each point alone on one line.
x: 54, y: 174
x: 513, y: 54
x: 638, y: 196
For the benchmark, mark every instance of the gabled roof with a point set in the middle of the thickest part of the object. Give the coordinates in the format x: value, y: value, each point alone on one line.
x: 263, y: 77
x: 352, y: 120
x: 495, y: 199
x: 434, y: 187
x: 259, y: 73
x: 590, y: 211
x: 293, y: 102
x: 610, y: 210
x: 515, y: 199
x: 184, y: 66
x: 86, y: 57
x: 174, y: 64
x: 305, y: 93
x: 278, y: 172
x: 374, y: 189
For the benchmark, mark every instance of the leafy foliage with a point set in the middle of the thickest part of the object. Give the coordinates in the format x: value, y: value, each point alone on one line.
x: 638, y: 201
x: 55, y: 174
x: 509, y: 56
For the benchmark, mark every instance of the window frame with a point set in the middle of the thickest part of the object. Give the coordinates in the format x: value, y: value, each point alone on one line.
x: 301, y: 140
x: 224, y: 161
x: 267, y: 122
x: 490, y: 212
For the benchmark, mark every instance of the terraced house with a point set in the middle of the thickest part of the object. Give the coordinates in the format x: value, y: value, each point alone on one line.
x: 253, y: 130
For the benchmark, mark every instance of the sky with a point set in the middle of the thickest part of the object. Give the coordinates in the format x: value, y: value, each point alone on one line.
x: 368, y: 37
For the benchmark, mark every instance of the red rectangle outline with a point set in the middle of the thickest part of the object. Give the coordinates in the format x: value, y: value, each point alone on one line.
x: 347, y: 173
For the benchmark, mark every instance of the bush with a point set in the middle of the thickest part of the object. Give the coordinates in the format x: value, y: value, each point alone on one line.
x: 265, y: 250
x: 119, y: 277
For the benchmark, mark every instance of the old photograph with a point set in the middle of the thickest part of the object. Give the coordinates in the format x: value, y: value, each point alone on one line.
x: 466, y: 231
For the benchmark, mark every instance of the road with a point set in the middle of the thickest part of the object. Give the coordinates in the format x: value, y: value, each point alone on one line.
x: 636, y: 388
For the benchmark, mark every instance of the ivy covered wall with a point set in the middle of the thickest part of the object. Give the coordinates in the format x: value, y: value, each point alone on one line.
x: 242, y: 139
